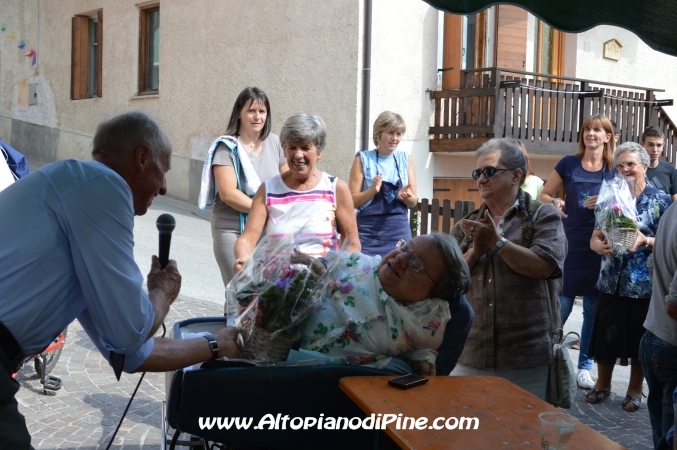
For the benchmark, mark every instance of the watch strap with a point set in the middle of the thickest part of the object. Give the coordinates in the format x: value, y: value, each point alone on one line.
x: 213, y: 345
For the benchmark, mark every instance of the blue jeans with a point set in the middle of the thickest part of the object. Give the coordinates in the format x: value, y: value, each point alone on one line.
x: 589, y: 310
x: 659, y: 362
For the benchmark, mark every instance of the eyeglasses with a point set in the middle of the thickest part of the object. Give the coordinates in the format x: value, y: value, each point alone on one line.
x: 630, y: 165
x: 488, y: 172
x: 414, y: 261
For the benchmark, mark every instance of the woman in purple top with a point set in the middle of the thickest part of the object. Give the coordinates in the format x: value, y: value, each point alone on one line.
x: 582, y: 175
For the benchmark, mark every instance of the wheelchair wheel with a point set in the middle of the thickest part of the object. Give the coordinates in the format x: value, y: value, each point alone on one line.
x: 52, y: 358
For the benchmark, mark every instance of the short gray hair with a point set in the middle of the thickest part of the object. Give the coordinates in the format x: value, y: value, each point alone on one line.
x: 511, y: 155
x: 303, y: 128
x: 456, y: 275
x: 632, y: 147
x: 119, y: 136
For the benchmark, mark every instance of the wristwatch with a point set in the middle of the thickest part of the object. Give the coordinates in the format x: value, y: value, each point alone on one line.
x: 500, y: 243
x: 213, y: 345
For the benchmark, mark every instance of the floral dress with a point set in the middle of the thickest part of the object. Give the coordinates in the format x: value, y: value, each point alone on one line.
x: 627, y: 274
x: 359, y: 323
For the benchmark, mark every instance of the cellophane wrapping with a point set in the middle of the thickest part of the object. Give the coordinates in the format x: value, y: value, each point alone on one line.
x: 274, y: 296
x: 616, y: 214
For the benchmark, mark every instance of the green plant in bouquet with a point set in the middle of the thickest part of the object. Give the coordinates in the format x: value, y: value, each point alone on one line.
x: 614, y: 218
x: 283, y: 305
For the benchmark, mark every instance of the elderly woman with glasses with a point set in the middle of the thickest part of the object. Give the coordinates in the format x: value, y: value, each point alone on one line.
x: 624, y: 283
x: 515, y: 248
x: 403, y: 305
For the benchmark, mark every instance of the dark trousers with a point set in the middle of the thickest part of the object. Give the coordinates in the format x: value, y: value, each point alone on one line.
x: 13, y: 432
x: 659, y: 361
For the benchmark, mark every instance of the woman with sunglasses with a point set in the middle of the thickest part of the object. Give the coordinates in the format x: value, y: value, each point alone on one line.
x: 515, y: 248
x: 582, y: 175
x: 624, y: 283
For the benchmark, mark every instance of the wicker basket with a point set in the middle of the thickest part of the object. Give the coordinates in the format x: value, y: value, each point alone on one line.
x: 263, y: 346
x: 624, y: 237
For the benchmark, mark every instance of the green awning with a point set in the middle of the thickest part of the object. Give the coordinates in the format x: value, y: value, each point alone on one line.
x: 654, y: 21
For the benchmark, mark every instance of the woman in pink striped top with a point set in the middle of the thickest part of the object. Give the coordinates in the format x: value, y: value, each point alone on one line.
x: 315, y: 207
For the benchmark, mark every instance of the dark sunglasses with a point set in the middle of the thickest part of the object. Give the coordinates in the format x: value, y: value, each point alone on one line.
x: 488, y: 172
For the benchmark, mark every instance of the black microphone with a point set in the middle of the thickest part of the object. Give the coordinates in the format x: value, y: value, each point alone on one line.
x: 165, y: 225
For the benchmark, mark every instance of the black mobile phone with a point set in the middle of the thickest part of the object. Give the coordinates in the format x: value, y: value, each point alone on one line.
x: 408, y: 381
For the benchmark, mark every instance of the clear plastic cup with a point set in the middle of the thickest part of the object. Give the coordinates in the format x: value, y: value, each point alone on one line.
x: 556, y: 430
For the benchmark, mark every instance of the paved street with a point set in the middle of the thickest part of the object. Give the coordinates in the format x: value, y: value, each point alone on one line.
x: 84, y: 413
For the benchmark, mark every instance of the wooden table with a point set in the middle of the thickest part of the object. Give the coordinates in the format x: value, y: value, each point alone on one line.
x: 508, y: 415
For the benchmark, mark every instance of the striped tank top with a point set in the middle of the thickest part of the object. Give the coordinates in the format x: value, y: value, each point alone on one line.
x: 310, y: 216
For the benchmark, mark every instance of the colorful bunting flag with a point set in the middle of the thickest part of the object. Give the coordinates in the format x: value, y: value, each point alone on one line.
x: 22, y: 44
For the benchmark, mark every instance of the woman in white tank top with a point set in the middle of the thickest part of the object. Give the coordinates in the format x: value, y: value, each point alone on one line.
x: 314, y: 206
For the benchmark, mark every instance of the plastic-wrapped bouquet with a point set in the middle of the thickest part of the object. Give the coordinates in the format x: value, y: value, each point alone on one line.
x: 274, y: 295
x: 616, y: 214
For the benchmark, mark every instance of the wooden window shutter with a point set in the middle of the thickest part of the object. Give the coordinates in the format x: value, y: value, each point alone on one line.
x: 79, y: 57
x: 143, y: 50
x: 99, y: 50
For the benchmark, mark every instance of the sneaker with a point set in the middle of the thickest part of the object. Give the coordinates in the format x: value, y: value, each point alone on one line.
x: 584, y: 381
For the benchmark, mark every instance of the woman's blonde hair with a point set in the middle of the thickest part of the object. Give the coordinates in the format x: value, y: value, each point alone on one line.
x: 609, y: 147
x: 385, y: 121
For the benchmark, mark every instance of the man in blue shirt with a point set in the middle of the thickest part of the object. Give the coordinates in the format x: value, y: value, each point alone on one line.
x: 66, y: 252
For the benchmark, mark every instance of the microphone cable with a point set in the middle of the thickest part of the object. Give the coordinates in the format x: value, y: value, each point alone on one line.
x: 165, y: 224
x: 164, y: 331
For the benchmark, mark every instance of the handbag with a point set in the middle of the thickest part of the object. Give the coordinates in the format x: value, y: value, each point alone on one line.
x: 561, y: 388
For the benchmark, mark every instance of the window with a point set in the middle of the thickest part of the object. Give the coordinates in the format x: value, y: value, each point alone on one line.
x: 86, y: 56
x: 549, y: 49
x: 149, y: 50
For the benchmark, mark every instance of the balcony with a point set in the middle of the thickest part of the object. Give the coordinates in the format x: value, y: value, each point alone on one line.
x: 543, y: 111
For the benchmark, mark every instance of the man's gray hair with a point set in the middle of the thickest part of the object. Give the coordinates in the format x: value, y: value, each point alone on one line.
x: 119, y: 136
x: 632, y: 147
x: 512, y: 156
x: 304, y: 128
x: 456, y: 274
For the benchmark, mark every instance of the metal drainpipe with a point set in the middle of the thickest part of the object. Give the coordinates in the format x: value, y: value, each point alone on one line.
x: 366, y: 82
x: 37, y: 39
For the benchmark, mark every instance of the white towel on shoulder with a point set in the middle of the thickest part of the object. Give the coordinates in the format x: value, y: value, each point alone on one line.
x: 208, y: 186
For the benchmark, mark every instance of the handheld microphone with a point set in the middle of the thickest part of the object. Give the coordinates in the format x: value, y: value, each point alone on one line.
x: 165, y: 225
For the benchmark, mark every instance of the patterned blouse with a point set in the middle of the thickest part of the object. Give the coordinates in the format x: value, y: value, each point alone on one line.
x: 627, y: 275
x: 358, y: 323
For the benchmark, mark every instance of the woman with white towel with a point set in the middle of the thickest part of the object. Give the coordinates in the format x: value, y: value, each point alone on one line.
x: 236, y: 165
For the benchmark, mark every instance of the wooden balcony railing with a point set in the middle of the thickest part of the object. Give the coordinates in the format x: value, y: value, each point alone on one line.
x: 670, y: 131
x: 543, y: 111
x: 437, y: 218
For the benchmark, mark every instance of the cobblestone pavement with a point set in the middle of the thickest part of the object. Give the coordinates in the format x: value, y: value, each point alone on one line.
x: 85, y: 412
x: 633, y: 430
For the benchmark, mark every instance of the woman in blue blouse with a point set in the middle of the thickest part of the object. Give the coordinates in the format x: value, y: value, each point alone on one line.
x: 383, y: 185
x: 624, y: 283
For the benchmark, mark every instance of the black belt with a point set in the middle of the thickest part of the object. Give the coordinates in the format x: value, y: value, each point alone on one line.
x: 11, y: 355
